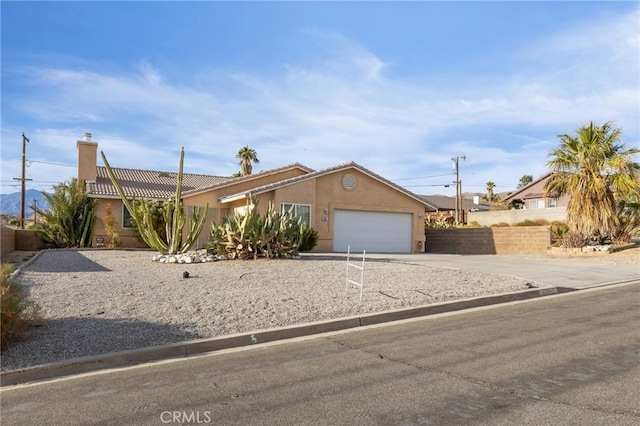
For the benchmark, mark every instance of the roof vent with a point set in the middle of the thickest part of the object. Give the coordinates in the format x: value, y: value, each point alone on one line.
x: 164, y: 174
x: 349, y: 181
x: 87, y: 137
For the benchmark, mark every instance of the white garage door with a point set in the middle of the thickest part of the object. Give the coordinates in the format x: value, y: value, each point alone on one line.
x: 374, y: 232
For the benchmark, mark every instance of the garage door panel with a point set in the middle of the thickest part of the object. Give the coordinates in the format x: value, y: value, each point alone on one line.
x: 372, y: 231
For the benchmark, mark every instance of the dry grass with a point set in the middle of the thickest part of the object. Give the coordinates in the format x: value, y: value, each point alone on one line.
x: 17, y: 311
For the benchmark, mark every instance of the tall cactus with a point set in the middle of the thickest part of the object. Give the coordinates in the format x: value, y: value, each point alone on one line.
x: 173, y: 216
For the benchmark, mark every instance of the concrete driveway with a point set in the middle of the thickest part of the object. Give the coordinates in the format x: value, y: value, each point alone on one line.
x: 557, y: 272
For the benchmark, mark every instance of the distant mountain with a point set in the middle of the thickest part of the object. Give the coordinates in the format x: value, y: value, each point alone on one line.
x: 10, y: 203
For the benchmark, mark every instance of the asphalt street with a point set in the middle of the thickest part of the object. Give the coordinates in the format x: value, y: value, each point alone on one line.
x: 565, y: 359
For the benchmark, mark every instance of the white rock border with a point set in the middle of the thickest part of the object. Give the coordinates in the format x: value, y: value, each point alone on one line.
x: 200, y: 256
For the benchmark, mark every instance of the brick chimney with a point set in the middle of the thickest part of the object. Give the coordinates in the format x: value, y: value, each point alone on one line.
x: 87, y: 158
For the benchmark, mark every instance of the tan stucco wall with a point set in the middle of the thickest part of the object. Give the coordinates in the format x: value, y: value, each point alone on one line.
x: 326, y: 194
x: 128, y: 237
x: 87, y: 160
x: 513, y: 217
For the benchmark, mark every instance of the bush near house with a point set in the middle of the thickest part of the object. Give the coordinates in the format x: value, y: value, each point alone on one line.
x: 309, y: 239
x: 70, y: 220
x: 17, y: 311
x: 253, y: 235
x: 111, y: 226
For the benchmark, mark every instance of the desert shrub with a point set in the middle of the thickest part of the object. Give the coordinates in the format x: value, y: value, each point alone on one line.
x: 70, y: 219
x: 500, y: 225
x: 442, y: 222
x: 17, y: 311
x: 558, y: 230
x: 627, y: 224
x: 252, y: 235
x: 534, y: 222
x: 573, y: 239
x: 309, y: 239
x: 111, y: 226
x: 474, y: 224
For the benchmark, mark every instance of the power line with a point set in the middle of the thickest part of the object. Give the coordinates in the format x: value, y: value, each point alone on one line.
x: 31, y: 180
x: 53, y: 164
x: 422, y: 177
x: 446, y: 185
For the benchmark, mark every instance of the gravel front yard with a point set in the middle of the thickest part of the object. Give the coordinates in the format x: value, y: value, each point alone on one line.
x: 100, y: 301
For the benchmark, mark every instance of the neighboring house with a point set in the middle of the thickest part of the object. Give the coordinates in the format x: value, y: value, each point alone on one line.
x: 347, y: 204
x: 532, y: 196
x: 446, y: 206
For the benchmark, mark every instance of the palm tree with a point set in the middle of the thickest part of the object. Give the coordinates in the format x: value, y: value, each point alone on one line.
x: 593, y: 167
x: 247, y: 157
x: 525, y: 180
x: 491, y: 197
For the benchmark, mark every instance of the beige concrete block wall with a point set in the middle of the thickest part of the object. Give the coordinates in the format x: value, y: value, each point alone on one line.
x: 7, y: 240
x: 503, y: 240
x: 27, y: 240
x: 515, y: 216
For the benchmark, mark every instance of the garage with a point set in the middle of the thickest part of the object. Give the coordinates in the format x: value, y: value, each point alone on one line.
x: 375, y: 232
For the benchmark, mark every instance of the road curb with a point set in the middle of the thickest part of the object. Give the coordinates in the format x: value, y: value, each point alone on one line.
x: 201, y: 346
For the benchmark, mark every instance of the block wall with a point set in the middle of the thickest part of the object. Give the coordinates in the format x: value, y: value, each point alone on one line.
x: 7, y: 240
x: 502, y: 240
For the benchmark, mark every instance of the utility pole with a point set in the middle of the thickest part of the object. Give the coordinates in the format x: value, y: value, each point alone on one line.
x: 35, y: 212
x: 456, y: 167
x: 23, y: 178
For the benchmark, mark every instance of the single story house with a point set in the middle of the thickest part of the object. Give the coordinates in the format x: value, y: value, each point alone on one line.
x: 349, y: 205
x: 532, y: 196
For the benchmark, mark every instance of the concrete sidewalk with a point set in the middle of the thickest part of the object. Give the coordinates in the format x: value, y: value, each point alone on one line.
x: 555, y: 272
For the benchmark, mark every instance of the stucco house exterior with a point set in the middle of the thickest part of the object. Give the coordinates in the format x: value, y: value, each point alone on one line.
x: 349, y: 205
x: 532, y: 196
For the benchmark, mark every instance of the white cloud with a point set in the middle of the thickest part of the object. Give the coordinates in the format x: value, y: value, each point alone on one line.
x: 341, y: 106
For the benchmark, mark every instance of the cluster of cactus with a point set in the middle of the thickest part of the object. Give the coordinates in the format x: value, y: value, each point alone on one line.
x: 253, y: 235
x: 173, y: 213
x: 441, y: 222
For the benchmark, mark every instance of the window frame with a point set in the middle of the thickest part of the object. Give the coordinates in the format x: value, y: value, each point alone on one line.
x: 293, y: 207
x: 539, y: 204
x: 126, y: 215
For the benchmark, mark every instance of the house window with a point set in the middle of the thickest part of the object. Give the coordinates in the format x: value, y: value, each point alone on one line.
x: 536, y: 204
x: 553, y: 202
x: 127, y: 220
x: 298, y: 210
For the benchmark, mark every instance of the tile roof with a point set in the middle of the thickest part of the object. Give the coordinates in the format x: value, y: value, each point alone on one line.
x: 318, y: 173
x: 232, y: 181
x: 148, y: 183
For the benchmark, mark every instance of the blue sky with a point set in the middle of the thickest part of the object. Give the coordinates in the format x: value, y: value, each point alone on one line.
x: 398, y: 87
